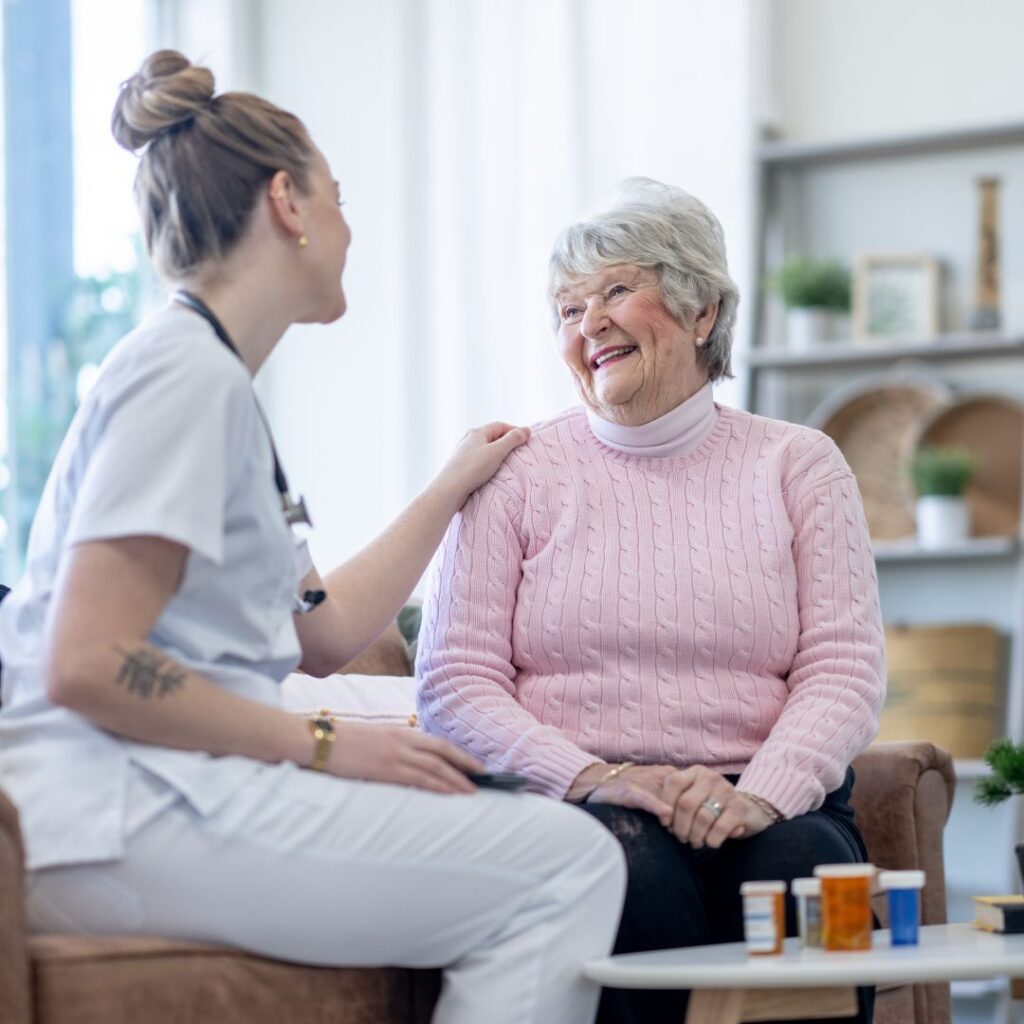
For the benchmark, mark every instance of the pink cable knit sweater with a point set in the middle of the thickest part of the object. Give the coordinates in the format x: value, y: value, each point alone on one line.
x: 707, y: 597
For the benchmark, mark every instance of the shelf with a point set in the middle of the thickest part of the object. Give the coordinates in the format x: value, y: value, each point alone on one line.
x: 842, y: 353
x: 974, y: 547
x: 795, y: 154
x: 970, y: 769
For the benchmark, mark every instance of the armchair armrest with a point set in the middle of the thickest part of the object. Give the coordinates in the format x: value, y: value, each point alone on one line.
x: 16, y: 998
x: 902, y: 799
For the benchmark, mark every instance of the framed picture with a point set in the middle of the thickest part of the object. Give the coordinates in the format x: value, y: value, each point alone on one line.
x: 895, y: 296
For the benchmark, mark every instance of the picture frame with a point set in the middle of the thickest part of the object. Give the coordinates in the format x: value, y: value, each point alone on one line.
x: 895, y: 297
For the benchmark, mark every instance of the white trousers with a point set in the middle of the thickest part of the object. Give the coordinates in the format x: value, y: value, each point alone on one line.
x: 509, y: 893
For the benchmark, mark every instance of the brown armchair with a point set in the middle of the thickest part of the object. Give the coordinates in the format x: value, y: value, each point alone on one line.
x: 902, y: 798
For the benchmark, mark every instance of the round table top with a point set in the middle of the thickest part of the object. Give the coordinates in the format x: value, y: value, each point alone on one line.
x: 947, y: 952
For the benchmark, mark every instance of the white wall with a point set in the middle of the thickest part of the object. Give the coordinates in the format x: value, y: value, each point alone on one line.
x: 465, y: 134
x: 878, y: 66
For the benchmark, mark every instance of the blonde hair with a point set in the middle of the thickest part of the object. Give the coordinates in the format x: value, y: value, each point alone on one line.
x: 661, y: 227
x: 204, y: 158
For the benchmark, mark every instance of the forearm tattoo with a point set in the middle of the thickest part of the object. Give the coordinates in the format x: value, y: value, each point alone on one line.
x: 148, y: 673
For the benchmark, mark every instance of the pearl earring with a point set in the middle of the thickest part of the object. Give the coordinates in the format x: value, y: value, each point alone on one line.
x: 303, y: 241
x: 700, y: 342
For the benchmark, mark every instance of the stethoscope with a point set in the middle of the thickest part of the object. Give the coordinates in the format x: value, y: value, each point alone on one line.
x: 295, y: 512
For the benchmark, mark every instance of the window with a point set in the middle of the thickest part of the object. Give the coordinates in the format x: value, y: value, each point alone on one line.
x: 74, y: 278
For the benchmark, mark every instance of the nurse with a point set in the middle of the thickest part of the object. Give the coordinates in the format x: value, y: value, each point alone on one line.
x: 162, y: 788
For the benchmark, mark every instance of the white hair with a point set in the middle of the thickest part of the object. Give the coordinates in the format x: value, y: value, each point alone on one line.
x: 663, y: 228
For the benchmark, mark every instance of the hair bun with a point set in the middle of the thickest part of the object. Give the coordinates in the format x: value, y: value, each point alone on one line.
x: 165, y: 93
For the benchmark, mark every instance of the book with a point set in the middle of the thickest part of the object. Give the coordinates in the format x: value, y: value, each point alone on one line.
x: 999, y: 913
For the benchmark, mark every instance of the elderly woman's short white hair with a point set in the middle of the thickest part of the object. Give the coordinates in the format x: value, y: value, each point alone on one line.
x: 654, y: 225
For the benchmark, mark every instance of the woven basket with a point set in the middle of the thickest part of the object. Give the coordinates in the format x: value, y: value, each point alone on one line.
x: 945, y: 686
x: 876, y: 422
x: 991, y: 427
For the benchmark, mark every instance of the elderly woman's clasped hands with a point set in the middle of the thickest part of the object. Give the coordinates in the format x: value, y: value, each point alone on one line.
x: 699, y: 806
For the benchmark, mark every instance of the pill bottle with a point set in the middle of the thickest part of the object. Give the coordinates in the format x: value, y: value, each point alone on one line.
x: 764, y: 916
x: 904, y: 889
x: 845, y: 905
x: 807, y: 892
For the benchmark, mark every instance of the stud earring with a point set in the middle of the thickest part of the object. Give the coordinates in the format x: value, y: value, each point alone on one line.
x: 700, y: 342
x: 303, y: 241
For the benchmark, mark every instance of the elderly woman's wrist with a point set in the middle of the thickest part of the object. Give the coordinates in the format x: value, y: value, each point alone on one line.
x: 586, y: 782
x: 770, y: 810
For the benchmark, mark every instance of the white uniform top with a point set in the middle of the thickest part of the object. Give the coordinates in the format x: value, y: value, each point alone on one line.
x: 169, y: 442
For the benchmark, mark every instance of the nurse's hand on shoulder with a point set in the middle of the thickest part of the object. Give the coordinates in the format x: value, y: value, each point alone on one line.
x: 404, y: 756
x: 477, y: 457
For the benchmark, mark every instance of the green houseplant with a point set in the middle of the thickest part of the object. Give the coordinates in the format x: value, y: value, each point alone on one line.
x: 940, y: 476
x: 816, y: 294
x: 1006, y: 759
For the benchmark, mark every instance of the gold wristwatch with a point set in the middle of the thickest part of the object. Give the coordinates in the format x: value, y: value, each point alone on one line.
x: 324, y: 734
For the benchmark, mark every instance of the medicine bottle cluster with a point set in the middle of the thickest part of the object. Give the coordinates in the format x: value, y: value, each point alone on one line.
x: 833, y: 909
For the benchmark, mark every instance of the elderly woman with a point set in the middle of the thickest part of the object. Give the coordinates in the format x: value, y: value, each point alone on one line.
x: 660, y: 608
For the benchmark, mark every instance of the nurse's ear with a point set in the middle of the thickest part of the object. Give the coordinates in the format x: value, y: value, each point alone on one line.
x: 281, y: 197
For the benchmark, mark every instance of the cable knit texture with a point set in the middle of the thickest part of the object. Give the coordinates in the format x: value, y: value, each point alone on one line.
x: 718, y: 607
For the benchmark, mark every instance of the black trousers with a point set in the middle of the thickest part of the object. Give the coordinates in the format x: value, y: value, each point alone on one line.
x: 679, y: 896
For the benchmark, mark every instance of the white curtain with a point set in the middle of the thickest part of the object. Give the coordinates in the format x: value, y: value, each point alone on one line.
x: 465, y: 134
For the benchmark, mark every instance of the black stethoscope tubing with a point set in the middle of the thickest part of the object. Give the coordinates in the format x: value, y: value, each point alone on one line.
x: 294, y: 511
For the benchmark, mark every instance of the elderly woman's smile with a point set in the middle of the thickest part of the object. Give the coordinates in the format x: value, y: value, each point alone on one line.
x: 631, y: 360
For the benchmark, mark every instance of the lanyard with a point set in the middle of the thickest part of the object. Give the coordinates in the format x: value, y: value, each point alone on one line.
x: 294, y: 511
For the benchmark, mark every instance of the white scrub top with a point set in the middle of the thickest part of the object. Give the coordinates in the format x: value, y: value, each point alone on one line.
x: 169, y: 442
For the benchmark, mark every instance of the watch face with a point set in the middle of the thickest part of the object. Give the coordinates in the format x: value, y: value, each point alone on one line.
x: 324, y: 723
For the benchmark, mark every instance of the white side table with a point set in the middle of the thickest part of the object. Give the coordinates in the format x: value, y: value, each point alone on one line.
x: 729, y: 986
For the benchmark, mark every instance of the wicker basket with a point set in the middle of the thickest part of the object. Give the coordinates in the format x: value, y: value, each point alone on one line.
x: 875, y: 422
x: 991, y: 427
x: 945, y: 686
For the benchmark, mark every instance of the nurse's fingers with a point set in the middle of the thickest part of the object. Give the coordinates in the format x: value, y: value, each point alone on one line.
x: 446, y: 778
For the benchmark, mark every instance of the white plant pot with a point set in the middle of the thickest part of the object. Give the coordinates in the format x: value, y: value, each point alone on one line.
x: 809, y: 326
x: 942, y: 521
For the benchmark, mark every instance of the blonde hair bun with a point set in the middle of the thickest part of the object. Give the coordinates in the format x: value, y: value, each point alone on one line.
x: 167, y: 92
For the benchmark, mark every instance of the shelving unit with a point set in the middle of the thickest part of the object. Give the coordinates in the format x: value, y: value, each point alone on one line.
x: 975, y: 547
x: 833, y: 200
x: 970, y: 769
x: 833, y: 354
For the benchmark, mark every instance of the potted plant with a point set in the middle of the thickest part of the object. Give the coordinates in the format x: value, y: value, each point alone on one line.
x: 940, y: 478
x: 1006, y: 759
x: 816, y: 294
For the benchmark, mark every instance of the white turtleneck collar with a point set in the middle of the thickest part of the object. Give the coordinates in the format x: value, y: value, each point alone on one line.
x: 676, y: 433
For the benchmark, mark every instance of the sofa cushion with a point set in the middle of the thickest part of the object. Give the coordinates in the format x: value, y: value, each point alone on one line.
x: 112, y: 980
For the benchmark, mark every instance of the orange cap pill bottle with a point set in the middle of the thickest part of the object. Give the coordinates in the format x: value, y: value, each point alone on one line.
x: 845, y: 905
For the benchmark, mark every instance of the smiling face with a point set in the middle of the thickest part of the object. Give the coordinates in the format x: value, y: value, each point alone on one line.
x: 631, y: 360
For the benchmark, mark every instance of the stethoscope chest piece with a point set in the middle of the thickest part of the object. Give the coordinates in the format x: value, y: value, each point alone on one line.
x: 295, y: 512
